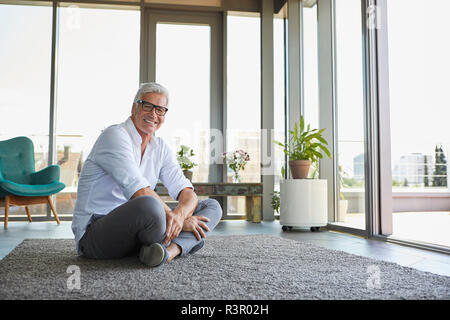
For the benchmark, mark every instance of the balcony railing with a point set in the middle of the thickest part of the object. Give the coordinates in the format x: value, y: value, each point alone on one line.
x: 404, y: 199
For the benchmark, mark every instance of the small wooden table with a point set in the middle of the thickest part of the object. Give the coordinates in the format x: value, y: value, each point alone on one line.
x: 251, y: 191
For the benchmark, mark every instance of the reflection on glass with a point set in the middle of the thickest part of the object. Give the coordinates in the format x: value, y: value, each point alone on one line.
x: 98, y: 76
x: 243, y: 98
x: 25, y: 80
x: 183, y: 66
x: 420, y: 134
x: 350, y: 115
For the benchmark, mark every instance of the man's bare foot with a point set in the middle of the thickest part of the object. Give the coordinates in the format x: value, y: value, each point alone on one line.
x: 173, y: 250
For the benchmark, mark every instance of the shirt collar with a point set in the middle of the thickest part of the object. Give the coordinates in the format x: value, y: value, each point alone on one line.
x: 135, y: 136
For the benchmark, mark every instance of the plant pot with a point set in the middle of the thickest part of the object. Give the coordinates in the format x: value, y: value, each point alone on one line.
x: 188, y: 174
x: 342, y: 212
x: 299, y: 168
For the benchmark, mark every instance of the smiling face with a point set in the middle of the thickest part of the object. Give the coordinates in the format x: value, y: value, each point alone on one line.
x: 147, y: 123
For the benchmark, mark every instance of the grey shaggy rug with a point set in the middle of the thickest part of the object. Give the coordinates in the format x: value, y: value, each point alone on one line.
x: 228, y: 267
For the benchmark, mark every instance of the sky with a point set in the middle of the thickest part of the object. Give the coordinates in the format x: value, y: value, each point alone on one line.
x: 98, y: 73
x: 419, y: 74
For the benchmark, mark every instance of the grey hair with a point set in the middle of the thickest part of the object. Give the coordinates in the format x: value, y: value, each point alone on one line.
x: 150, y: 87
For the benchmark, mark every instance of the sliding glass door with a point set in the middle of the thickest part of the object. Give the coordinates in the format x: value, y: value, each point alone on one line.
x: 419, y: 109
x: 350, y: 134
x: 183, y: 65
x: 243, y: 100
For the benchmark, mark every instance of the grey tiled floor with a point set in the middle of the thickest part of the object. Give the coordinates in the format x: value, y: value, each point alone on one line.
x: 416, y: 258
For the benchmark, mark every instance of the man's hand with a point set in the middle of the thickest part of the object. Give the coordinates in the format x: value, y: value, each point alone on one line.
x: 187, y: 202
x: 174, y: 225
x: 196, y: 225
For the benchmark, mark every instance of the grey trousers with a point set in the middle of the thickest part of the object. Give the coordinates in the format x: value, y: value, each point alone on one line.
x: 140, y: 221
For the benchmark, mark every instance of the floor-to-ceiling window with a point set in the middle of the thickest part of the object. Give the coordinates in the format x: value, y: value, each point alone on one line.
x: 187, y: 75
x: 98, y: 76
x: 279, y: 89
x: 419, y: 109
x: 243, y: 98
x: 25, y: 68
x: 350, y: 211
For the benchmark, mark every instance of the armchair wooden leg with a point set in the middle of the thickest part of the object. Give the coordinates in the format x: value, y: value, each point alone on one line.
x: 6, y: 211
x: 28, y: 213
x: 49, y: 199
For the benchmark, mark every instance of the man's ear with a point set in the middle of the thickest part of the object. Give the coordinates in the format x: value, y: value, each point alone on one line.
x: 133, y: 109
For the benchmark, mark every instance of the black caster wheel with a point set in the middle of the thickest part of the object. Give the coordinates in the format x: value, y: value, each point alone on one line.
x: 284, y: 228
x: 314, y: 229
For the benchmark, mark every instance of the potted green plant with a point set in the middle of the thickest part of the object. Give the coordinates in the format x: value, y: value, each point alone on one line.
x: 186, y: 164
x: 304, y: 148
x: 276, y: 201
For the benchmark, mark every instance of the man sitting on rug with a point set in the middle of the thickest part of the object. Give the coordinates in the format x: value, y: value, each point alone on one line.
x: 117, y: 213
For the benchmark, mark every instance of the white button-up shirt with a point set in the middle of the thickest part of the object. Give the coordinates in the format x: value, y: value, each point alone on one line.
x: 113, y: 172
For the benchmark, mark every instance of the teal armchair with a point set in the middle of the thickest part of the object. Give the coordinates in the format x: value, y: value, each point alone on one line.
x: 19, y: 183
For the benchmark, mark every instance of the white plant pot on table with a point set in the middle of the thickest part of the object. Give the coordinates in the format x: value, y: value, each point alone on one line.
x: 303, y: 203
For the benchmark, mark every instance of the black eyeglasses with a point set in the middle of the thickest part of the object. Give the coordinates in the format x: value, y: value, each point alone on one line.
x: 148, y: 107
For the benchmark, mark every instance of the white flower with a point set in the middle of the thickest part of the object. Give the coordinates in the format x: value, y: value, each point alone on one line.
x: 236, y: 159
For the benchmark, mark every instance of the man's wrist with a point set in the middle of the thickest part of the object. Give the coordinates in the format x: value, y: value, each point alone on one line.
x: 179, y: 211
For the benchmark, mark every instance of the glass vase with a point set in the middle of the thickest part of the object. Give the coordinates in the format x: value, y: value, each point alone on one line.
x: 236, y: 178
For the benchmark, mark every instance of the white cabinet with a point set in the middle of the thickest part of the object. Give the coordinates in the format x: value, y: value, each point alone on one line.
x: 303, y: 203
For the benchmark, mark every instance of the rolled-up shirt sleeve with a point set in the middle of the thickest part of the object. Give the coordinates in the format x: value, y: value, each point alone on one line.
x: 114, y: 154
x: 171, y: 174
